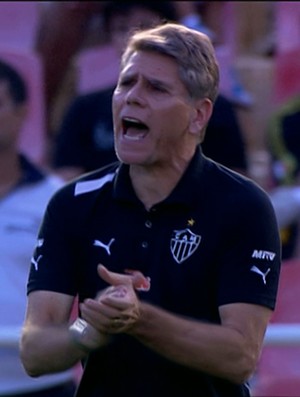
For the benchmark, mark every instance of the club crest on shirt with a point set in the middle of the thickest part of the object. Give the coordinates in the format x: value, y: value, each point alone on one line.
x: 183, y: 244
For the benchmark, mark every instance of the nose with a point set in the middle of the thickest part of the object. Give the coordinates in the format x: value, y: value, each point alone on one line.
x: 135, y: 94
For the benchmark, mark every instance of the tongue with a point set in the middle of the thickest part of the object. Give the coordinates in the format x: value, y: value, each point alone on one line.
x: 135, y: 133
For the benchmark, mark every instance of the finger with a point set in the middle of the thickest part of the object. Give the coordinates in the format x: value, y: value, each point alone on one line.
x: 118, y: 291
x: 110, y: 301
x: 97, y: 320
x: 98, y: 315
x: 117, y: 302
x: 113, y: 278
x: 98, y: 308
x: 139, y: 281
x: 119, y: 325
x: 108, y: 320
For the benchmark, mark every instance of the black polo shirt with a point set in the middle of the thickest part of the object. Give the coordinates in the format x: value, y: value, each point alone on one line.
x: 213, y: 241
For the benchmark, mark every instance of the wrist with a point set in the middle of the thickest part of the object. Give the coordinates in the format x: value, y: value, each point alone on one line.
x: 86, y: 337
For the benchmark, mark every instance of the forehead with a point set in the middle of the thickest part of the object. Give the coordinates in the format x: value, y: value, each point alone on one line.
x: 151, y: 64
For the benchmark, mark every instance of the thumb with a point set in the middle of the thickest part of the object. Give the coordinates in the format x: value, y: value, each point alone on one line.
x: 113, y: 278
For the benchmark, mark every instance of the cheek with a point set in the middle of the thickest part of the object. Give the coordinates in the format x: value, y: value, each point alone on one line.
x: 175, y: 118
x: 115, y: 108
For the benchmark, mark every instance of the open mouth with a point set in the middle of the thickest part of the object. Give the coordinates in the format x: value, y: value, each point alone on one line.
x: 134, y: 129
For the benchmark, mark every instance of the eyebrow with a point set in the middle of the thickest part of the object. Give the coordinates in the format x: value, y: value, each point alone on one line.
x: 152, y: 80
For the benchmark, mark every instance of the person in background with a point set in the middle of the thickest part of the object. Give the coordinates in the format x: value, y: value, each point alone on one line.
x: 283, y: 141
x: 24, y: 193
x: 224, y: 140
x: 84, y: 141
x: 175, y: 259
x: 56, y: 45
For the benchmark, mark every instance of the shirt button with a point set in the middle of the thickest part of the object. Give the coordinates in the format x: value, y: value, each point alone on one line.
x: 148, y: 224
x: 144, y: 244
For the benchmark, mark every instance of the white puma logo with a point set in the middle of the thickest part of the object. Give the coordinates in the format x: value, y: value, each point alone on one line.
x: 98, y: 243
x: 35, y: 262
x: 258, y: 271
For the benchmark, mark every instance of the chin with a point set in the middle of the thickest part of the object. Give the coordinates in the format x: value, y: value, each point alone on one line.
x: 131, y: 161
x: 127, y: 157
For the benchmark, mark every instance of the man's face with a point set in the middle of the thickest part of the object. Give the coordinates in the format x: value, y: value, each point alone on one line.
x: 152, y: 112
x: 11, y: 117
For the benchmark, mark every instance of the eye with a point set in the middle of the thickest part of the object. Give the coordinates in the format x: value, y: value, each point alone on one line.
x: 126, y: 81
x: 157, y: 87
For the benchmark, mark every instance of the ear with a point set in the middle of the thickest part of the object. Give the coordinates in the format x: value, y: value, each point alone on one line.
x: 201, y: 114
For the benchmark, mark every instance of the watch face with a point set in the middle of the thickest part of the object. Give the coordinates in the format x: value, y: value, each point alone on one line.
x: 79, y: 326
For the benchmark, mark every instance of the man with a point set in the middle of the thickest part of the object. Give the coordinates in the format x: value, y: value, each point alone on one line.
x: 175, y: 258
x: 24, y: 192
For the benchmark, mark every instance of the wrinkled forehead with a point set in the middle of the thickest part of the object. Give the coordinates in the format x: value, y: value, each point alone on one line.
x: 158, y: 69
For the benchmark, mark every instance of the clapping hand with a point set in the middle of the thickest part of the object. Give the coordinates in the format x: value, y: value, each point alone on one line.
x: 116, y: 308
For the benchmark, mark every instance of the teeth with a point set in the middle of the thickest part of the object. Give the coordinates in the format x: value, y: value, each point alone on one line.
x: 131, y: 126
x: 130, y: 120
x: 134, y: 137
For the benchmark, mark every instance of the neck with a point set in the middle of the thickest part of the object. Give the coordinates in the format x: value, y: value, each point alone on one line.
x: 154, y: 185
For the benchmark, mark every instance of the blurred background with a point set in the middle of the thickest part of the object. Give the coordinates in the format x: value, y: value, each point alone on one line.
x: 257, y: 38
x: 51, y: 38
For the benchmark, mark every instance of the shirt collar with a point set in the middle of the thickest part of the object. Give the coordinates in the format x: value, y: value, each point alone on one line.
x: 184, y: 193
